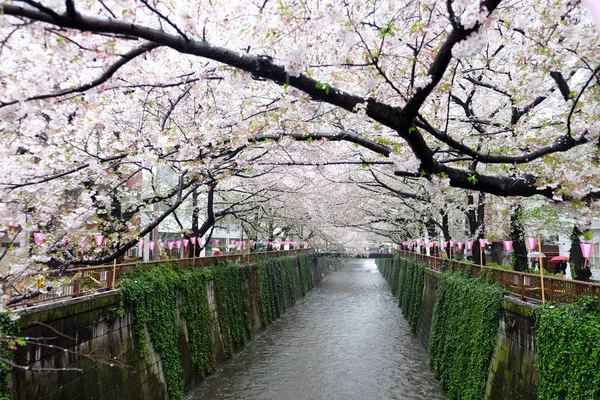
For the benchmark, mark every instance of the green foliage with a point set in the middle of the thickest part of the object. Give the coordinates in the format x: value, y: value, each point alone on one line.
x: 271, y: 277
x: 395, y: 275
x: 232, y: 306
x: 416, y: 294
x: 289, y: 263
x: 567, y: 340
x: 196, y: 313
x: 405, y: 292
x: 305, y: 272
x: 7, y: 328
x: 465, y: 324
x: 406, y: 281
x: 411, y: 291
x: 153, y: 296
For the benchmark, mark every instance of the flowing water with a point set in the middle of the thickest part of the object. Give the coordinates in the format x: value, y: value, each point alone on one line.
x: 345, y: 340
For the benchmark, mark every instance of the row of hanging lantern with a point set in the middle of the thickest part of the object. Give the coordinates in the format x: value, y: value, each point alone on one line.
x: 39, y: 238
x: 586, y: 248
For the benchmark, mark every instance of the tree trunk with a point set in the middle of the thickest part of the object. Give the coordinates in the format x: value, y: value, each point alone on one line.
x: 516, y: 235
x: 576, y: 257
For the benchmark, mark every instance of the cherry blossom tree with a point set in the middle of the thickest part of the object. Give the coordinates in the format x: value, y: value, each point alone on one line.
x: 98, y: 98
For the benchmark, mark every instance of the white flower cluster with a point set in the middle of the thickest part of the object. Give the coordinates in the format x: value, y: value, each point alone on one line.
x: 473, y: 15
x: 406, y: 163
x: 473, y: 44
x: 439, y: 182
x: 295, y: 60
x: 422, y: 81
x: 470, y: 12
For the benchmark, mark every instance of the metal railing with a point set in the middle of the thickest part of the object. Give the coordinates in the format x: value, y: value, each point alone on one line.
x: 88, y: 280
x: 524, y: 285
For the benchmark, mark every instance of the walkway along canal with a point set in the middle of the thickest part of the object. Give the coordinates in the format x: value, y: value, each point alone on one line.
x: 345, y: 340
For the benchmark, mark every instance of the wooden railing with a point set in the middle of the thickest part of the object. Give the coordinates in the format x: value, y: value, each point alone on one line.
x: 88, y: 280
x: 524, y: 285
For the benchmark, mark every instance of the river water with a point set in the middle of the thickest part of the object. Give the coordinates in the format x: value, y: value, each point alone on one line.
x: 346, y: 339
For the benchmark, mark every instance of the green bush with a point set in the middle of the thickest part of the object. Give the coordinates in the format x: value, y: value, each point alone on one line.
x: 567, y: 340
x: 463, y: 334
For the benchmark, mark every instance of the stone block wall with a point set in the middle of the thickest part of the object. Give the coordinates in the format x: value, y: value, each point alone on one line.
x: 85, y: 326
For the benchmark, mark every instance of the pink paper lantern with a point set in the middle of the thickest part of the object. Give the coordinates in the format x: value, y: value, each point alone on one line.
x: 586, y: 250
x: 460, y: 245
x: 531, y: 243
x: 469, y: 245
x: 199, y: 240
x: 141, y: 244
x: 508, y: 245
x: 452, y: 243
x: 178, y: 244
x: 445, y: 244
x: 83, y: 242
x: 216, y: 242
x: 185, y: 242
x: 193, y: 239
x: 99, y: 240
x: 151, y: 246
x: 232, y: 242
x: 170, y: 244
x: 38, y: 238
x: 482, y: 242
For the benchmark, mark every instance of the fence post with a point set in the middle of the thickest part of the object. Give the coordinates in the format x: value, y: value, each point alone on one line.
x: 522, y: 285
x: 76, y: 287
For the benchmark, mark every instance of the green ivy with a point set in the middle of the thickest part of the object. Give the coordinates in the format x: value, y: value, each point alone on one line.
x: 463, y: 333
x: 305, y: 272
x: 273, y: 277
x: 405, y: 292
x: 232, y: 306
x: 567, y: 340
x: 153, y: 295
x: 7, y: 328
x: 407, y: 280
x: 416, y: 294
x: 196, y: 313
x: 291, y: 278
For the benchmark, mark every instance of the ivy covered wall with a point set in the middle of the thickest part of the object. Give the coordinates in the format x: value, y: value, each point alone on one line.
x: 568, y: 342
x: 161, y: 296
x: 463, y: 333
x: 406, y: 279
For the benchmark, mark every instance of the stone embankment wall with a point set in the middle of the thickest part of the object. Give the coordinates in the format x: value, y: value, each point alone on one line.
x: 513, y: 373
x: 88, y: 334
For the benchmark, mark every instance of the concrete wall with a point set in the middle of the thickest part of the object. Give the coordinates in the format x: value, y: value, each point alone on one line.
x: 513, y: 371
x: 91, y: 325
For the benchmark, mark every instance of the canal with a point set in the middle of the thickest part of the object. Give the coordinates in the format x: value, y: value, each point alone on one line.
x: 346, y: 339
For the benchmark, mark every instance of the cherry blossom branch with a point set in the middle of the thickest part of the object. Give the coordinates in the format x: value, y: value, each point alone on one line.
x: 562, y: 144
x: 167, y: 20
x: 125, y: 58
x: 438, y: 68
x: 347, y: 136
